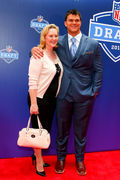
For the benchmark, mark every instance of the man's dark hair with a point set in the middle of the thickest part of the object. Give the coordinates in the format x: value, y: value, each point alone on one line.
x: 73, y: 12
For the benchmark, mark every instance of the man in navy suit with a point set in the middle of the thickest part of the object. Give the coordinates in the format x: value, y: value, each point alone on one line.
x: 81, y: 82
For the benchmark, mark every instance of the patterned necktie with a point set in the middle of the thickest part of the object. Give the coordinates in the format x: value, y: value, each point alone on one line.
x: 73, y: 47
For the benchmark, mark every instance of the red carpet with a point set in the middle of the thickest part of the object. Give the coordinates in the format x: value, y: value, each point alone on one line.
x: 99, y: 165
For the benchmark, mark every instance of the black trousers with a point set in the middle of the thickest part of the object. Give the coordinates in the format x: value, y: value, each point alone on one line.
x: 46, y: 112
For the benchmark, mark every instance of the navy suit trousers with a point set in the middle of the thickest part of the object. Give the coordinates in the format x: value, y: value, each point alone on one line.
x: 80, y: 111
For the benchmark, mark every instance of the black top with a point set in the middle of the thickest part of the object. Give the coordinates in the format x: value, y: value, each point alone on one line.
x: 52, y: 89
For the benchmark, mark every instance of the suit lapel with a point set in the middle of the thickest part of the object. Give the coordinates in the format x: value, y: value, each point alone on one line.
x: 63, y: 41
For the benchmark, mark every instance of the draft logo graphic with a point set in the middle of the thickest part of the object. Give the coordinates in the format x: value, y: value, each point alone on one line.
x: 38, y: 24
x: 105, y: 27
x: 9, y: 54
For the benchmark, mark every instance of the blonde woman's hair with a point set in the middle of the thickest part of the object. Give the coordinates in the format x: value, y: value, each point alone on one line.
x: 44, y: 32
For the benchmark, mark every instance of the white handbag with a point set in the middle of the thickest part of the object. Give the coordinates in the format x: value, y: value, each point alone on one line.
x: 35, y: 138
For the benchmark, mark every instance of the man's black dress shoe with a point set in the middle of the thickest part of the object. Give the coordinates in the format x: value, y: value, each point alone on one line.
x: 80, y: 166
x: 59, y: 167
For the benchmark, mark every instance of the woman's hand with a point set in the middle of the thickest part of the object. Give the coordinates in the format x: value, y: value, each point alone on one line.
x: 34, y: 109
x: 37, y: 52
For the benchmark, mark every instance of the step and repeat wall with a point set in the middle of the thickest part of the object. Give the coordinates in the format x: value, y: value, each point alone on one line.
x: 21, y: 22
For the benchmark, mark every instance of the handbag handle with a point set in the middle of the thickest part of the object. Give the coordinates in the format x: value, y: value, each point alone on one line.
x: 38, y: 120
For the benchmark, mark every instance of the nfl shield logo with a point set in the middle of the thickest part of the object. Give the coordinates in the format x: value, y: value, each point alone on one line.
x: 9, y: 54
x: 8, y: 48
x: 116, y: 11
x: 38, y: 24
x: 40, y: 18
x: 108, y: 35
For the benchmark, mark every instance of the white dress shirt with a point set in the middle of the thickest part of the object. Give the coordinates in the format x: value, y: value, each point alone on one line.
x: 78, y: 38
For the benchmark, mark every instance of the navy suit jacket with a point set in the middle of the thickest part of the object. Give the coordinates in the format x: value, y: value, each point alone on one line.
x: 83, y: 73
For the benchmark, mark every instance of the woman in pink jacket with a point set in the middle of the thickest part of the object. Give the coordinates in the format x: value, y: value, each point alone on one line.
x: 44, y: 84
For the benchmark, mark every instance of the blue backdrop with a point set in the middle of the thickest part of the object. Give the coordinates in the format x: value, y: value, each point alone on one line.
x: 16, y: 40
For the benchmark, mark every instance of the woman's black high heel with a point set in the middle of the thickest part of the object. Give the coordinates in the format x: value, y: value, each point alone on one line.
x: 46, y: 165
x: 34, y: 159
x: 37, y: 172
x: 41, y: 173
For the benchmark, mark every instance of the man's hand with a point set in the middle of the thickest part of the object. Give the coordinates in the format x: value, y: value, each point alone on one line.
x: 37, y: 52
